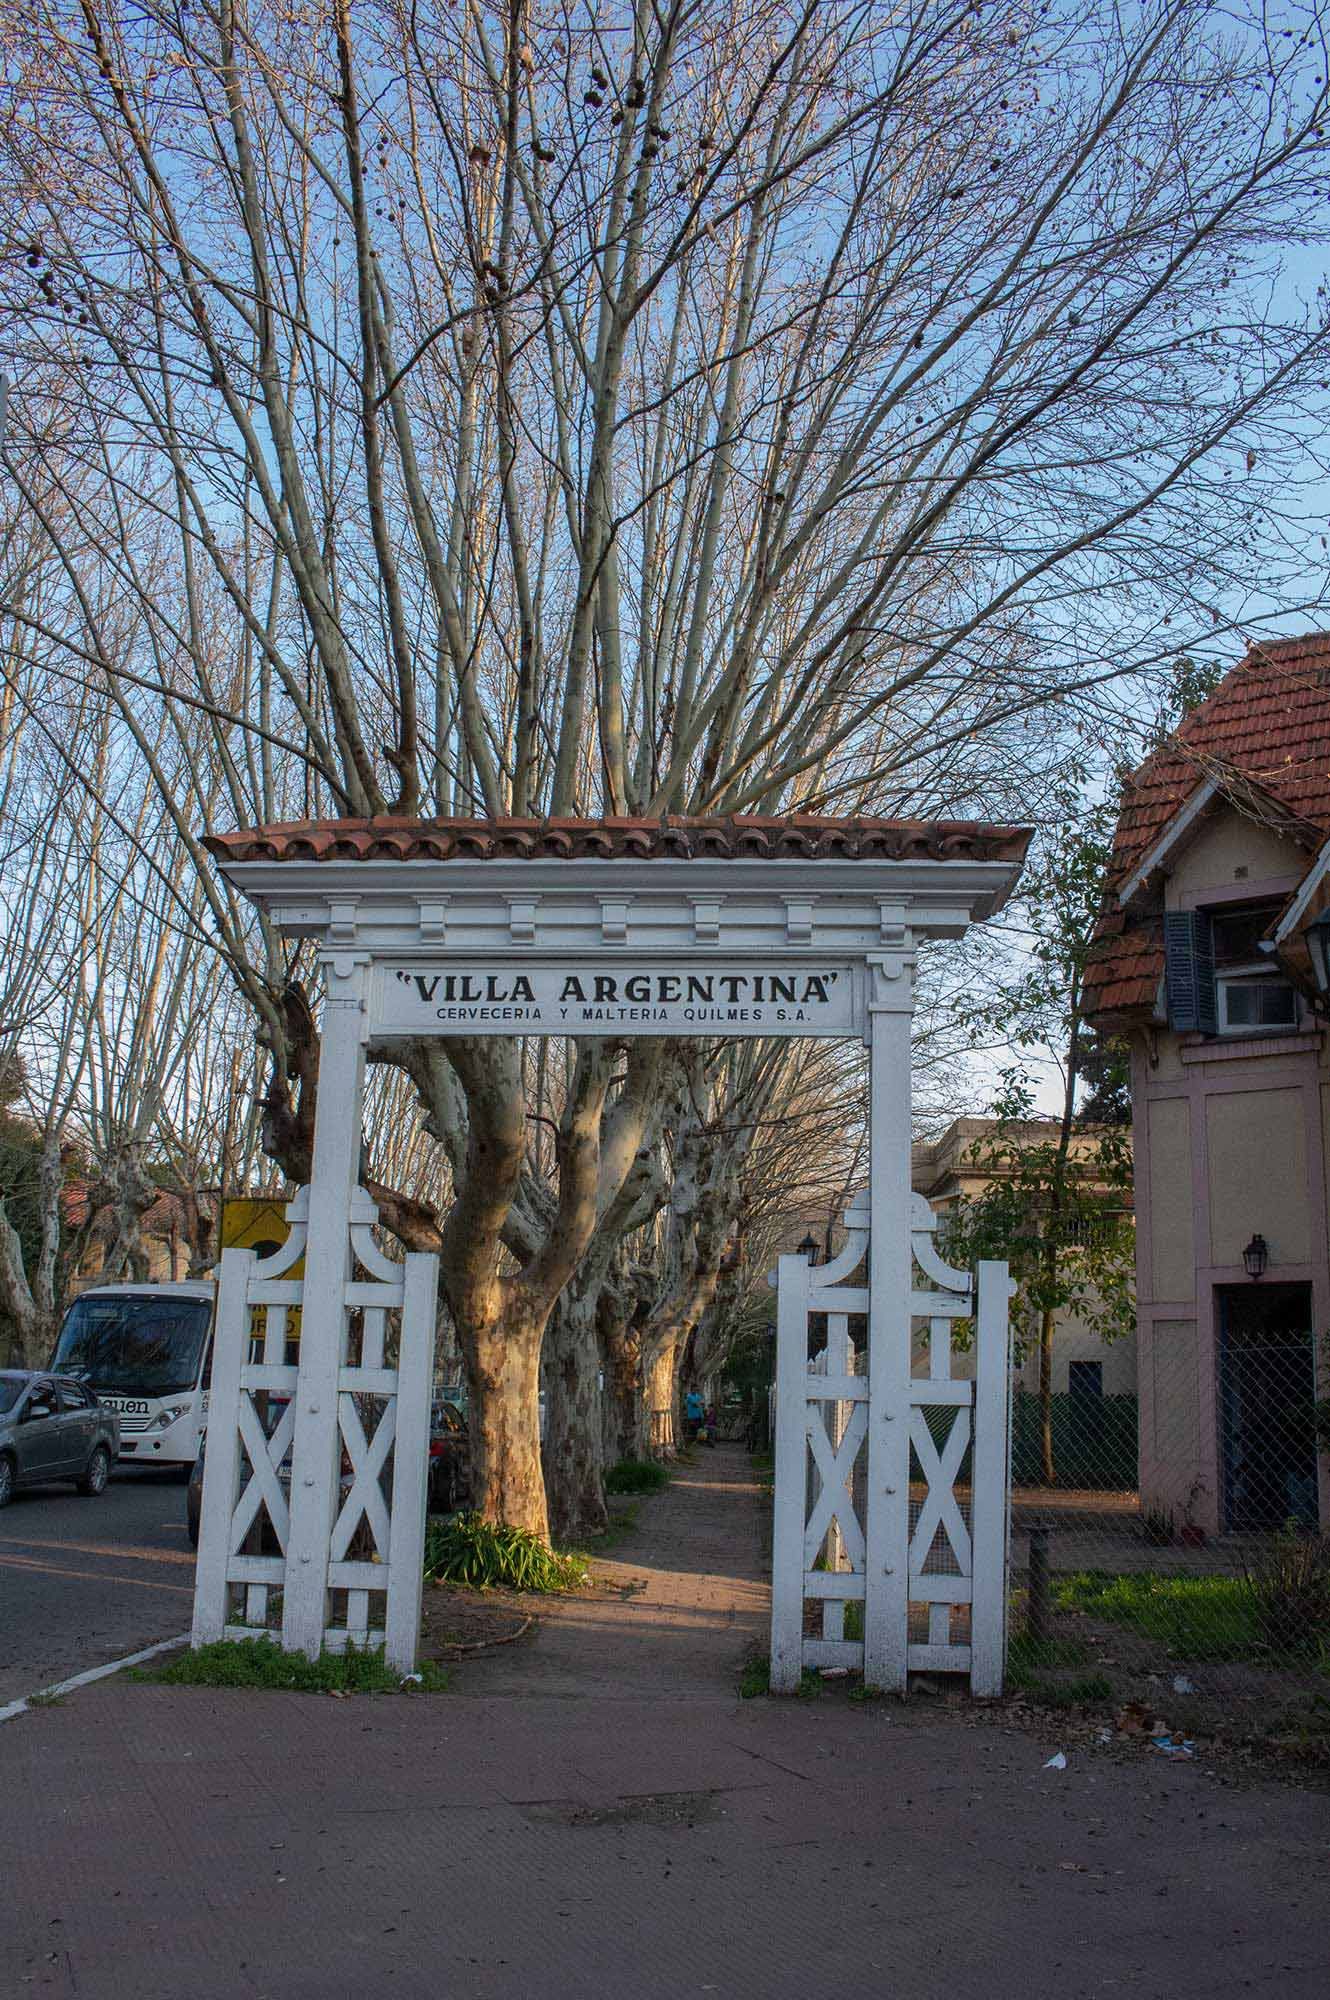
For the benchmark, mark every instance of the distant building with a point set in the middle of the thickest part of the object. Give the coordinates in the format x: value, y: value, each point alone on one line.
x: 169, y: 1229
x: 1221, y: 863
x: 1094, y: 1380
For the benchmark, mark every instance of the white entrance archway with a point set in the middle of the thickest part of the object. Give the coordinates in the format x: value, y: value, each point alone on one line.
x: 610, y: 928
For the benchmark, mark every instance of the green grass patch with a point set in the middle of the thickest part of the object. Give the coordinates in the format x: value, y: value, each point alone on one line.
x: 466, y: 1549
x: 261, y: 1663
x: 636, y: 1475
x: 1192, y: 1617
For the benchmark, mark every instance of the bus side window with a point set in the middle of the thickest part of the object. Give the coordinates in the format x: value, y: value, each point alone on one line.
x: 205, y: 1380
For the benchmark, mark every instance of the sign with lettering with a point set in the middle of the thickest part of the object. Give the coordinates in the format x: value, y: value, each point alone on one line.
x: 616, y: 1000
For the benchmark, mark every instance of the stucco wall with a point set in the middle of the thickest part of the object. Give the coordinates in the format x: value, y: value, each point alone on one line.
x: 1230, y: 1138
x: 1229, y: 851
x: 1256, y: 1146
x: 1171, y: 1250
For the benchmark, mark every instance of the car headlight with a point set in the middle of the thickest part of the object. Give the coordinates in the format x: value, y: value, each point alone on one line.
x: 168, y: 1415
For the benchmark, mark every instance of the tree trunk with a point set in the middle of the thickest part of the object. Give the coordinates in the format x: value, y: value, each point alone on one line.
x: 661, y: 1400
x: 621, y: 1348
x: 573, y: 1449
x: 131, y: 1194
x: 30, y: 1342
x: 1053, y: 1247
x: 502, y: 1353
x: 1047, y: 1460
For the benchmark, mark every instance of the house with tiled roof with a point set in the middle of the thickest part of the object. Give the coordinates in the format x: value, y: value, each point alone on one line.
x: 1206, y: 962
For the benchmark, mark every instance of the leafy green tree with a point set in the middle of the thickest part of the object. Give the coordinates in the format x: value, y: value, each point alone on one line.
x: 1058, y: 1200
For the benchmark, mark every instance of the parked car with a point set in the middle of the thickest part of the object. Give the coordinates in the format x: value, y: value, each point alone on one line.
x: 52, y: 1427
x: 449, y: 1459
x: 194, y: 1493
x: 194, y: 1499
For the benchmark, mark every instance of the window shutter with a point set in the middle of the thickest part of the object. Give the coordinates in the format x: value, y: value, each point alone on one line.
x: 1189, y: 971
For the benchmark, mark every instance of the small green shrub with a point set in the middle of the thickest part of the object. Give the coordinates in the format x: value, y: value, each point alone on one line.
x: 465, y: 1548
x: 636, y: 1475
x: 1289, y: 1582
x: 756, y: 1680
x: 261, y: 1663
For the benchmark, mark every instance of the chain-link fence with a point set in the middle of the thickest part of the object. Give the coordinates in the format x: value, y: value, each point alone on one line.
x: 1170, y: 1550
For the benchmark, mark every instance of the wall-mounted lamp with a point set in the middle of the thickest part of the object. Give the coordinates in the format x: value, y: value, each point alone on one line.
x: 1255, y: 1257
x: 809, y: 1248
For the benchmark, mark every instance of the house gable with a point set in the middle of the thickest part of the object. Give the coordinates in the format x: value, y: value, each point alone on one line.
x: 1243, y: 784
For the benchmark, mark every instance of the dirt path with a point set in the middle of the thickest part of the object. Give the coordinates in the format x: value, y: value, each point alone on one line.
x: 679, y: 1602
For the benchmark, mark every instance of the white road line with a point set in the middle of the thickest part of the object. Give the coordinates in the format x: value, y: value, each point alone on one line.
x: 91, y: 1674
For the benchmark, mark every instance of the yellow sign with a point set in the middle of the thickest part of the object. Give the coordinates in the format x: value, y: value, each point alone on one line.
x: 254, y: 1225
x: 261, y: 1225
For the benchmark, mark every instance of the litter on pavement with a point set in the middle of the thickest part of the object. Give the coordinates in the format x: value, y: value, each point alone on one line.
x: 1173, y: 1746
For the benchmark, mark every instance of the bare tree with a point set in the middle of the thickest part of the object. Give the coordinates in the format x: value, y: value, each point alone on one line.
x: 717, y: 408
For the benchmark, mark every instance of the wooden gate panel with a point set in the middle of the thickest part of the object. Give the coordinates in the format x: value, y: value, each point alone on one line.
x: 952, y: 1510
x: 370, y: 1587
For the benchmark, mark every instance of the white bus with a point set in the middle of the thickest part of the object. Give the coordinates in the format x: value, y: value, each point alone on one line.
x: 146, y: 1352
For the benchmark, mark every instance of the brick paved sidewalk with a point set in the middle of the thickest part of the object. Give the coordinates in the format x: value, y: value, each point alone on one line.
x: 679, y: 1604
x: 596, y: 1815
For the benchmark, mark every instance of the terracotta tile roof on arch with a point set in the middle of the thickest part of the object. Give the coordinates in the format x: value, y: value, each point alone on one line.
x: 1264, y: 736
x: 740, y: 837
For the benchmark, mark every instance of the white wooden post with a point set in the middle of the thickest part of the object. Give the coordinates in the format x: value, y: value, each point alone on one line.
x: 792, y: 1417
x: 316, y: 1451
x: 415, y: 1372
x: 887, y: 1528
x: 221, y: 1460
x: 990, y: 1488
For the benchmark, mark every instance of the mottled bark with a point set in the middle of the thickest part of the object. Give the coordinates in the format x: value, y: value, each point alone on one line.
x: 502, y: 1356
x: 30, y: 1337
x: 573, y: 1451
x: 28, y: 1300
x: 620, y: 1334
x: 660, y: 1400
x: 127, y: 1190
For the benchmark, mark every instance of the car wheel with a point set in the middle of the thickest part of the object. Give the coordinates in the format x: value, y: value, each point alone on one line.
x: 6, y: 1480
x: 94, y: 1479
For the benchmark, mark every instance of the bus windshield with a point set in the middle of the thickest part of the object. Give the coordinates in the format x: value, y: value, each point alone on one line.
x: 136, y: 1345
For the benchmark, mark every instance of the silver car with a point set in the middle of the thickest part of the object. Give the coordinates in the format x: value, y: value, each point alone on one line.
x: 52, y: 1427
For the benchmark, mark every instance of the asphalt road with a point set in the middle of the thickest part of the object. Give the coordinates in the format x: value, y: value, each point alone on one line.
x: 83, y: 1581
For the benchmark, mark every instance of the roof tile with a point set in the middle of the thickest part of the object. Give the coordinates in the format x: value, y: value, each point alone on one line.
x: 797, y: 836
x: 1264, y: 735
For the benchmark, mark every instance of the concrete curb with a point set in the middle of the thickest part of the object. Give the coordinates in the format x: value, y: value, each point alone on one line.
x: 89, y: 1675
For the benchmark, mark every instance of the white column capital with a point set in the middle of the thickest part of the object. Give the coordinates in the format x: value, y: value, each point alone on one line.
x: 891, y: 979
x: 344, y: 971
